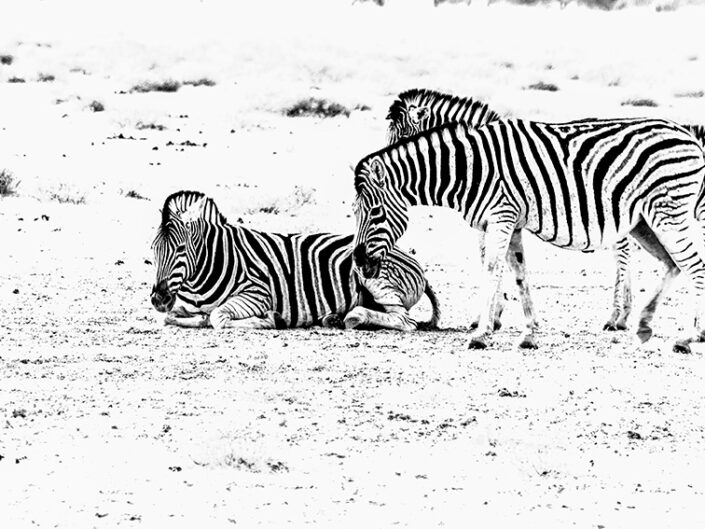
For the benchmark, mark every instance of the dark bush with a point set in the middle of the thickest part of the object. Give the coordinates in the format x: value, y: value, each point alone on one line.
x: 8, y: 183
x: 316, y: 107
x: 162, y: 86
x: 639, y: 103
x: 548, y: 87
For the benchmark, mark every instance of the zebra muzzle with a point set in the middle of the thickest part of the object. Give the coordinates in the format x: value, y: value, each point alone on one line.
x: 161, y: 298
x: 367, y: 265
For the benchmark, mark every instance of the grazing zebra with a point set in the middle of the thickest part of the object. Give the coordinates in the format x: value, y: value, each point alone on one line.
x: 417, y: 110
x: 211, y: 272
x: 579, y: 185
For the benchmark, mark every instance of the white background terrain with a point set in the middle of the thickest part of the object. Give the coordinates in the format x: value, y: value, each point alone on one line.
x: 108, y: 418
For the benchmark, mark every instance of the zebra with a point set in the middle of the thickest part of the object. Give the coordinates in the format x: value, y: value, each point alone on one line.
x: 579, y: 185
x: 212, y: 273
x: 417, y: 110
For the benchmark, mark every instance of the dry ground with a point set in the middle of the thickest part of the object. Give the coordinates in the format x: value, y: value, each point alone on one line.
x: 107, y: 418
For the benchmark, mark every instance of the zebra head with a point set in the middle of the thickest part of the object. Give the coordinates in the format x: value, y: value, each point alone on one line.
x: 381, y: 214
x: 175, y: 246
x: 406, y: 118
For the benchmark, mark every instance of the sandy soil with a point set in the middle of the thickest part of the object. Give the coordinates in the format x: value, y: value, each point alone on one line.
x: 108, y: 418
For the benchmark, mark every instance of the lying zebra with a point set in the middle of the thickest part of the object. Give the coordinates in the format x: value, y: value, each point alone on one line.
x: 418, y: 110
x: 212, y: 273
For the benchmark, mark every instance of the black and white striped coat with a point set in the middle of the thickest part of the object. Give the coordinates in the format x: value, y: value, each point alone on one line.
x: 247, y: 278
x: 579, y: 185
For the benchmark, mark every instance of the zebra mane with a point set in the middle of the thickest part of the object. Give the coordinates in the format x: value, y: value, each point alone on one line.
x: 698, y: 131
x: 424, y: 96
x: 178, y: 203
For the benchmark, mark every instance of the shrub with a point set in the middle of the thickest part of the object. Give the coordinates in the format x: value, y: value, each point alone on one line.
x: 96, y: 106
x: 15, y: 80
x: 6, y: 59
x: 639, y: 103
x: 134, y: 194
x: 8, y: 183
x: 160, y: 86
x: 695, y: 93
x: 46, y: 78
x: 548, y: 87
x: 151, y: 126
x: 64, y: 194
x: 317, y: 108
x: 203, y: 81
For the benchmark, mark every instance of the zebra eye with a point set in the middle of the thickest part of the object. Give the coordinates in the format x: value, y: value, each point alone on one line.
x: 180, y: 247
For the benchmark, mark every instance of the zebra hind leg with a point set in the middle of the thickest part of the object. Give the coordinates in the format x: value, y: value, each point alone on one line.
x: 646, y: 237
x: 622, y: 306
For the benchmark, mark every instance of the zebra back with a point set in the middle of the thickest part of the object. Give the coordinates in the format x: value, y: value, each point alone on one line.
x: 418, y: 110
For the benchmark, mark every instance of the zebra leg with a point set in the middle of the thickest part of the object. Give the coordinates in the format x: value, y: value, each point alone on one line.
x: 646, y: 237
x: 249, y: 308
x: 267, y: 321
x: 683, y: 241
x: 199, y: 321
x: 515, y: 258
x: 396, y: 317
x: 333, y: 321
x: 501, y: 299
x: 622, y: 304
x: 497, y: 239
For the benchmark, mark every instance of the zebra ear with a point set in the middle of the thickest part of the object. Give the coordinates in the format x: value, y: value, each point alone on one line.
x: 377, y: 172
x: 194, y: 211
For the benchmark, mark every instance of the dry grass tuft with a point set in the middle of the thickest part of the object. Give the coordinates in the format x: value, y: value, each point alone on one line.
x: 140, y: 125
x: 46, y: 78
x: 694, y: 93
x: 640, y: 103
x: 547, y: 87
x: 65, y: 194
x: 134, y: 194
x: 8, y: 183
x: 168, y: 85
x: 96, y: 106
x: 316, y: 107
x: 203, y: 81
x: 15, y: 80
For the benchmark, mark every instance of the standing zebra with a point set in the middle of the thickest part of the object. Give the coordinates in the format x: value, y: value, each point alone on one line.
x: 579, y: 185
x: 211, y: 272
x: 417, y: 110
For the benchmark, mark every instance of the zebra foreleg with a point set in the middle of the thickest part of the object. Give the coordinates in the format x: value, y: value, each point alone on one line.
x: 516, y: 260
x: 199, y: 321
x: 500, y: 300
x: 396, y: 317
x: 248, y: 309
x: 497, y: 239
x: 622, y: 306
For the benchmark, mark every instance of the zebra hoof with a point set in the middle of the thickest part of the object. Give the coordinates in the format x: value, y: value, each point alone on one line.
x: 497, y: 325
x: 644, y: 334
x: 333, y: 321
x: 477, y: 342
x: 609, y: 326
x: 352, y: 321
x: 682, y: 347
x: 474, y: 325
x: 528, y: 342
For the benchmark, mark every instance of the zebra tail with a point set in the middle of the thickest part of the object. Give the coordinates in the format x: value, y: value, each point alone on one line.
x: 431, y: 324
